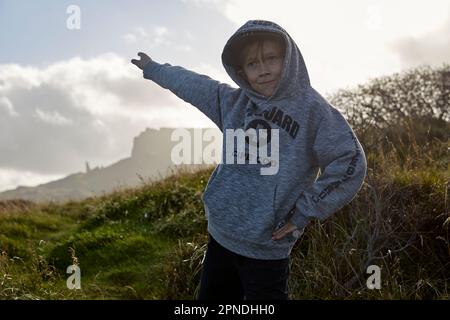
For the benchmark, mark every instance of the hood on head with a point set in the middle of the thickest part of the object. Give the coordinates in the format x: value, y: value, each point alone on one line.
x: 294, y: 77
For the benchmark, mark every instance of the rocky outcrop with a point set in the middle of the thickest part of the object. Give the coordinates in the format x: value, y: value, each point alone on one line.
x: 150, y: 161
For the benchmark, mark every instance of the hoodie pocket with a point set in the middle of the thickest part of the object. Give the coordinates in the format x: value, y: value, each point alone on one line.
x: 241, y: 203
x: 283, y: 207
x: 280, y: 208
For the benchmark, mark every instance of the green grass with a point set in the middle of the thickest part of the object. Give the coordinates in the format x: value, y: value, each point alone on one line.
x: 122, y: 243
x: 148, y: 242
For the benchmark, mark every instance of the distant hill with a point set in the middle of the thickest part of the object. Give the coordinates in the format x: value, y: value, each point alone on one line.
x: 150, y: 160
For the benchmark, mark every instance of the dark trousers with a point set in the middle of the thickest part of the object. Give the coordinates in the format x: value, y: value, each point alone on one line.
x: 227, y: 275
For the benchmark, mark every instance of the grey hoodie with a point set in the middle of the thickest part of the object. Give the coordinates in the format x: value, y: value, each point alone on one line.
x: 242, y: 206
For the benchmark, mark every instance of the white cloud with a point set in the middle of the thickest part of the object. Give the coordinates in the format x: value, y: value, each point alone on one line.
x: 432, y: 48
x: 140, y: 31
x: 400, y: 17
x: 344, y: 42
x: 53, y: 118
x: 158, y: 36
x: 10, y: 179
x: 212, y: 72
x: 160, y: 31
x: 129, y: 38
x: 80, y: 110
x: 7, y: 106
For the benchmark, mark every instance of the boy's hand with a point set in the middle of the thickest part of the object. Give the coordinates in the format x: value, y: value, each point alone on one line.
x: 142, y: 62
x: 284, y: 231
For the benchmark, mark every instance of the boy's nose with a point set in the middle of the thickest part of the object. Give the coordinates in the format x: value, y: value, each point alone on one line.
x: 263, y: 69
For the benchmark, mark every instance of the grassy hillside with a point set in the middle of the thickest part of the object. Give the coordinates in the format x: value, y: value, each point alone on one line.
x: 148, y: 242
x: 123, y: 242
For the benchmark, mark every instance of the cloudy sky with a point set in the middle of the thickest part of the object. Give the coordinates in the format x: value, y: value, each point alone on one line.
x: 70, y: 95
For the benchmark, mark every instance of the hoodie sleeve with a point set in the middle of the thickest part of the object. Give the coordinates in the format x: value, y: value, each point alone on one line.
x: 343, y: 166
x: 199, y: 90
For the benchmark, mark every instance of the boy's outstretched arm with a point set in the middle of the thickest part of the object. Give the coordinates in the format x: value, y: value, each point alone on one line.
x: 199, y: 90
x: 343, y: 168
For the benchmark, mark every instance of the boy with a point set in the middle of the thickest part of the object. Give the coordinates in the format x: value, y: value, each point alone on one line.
x: 254, y: 220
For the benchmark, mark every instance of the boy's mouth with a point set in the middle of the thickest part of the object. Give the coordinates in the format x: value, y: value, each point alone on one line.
x: 267, y: 82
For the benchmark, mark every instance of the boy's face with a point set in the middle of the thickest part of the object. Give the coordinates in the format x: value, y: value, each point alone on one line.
x: 262, y: 68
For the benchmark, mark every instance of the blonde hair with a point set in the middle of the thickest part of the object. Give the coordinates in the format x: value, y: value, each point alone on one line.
x: 244, y: 43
